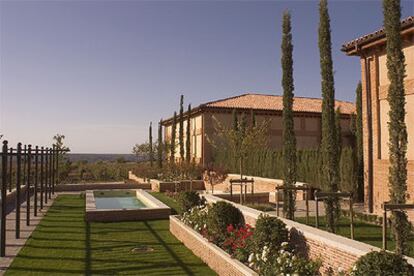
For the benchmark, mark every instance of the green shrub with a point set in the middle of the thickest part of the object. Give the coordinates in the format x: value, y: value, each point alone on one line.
x: 188, y: 200
x: 196, y: 217
x: 270, y: 232
x: 220, y: 215
x: 381, y: 263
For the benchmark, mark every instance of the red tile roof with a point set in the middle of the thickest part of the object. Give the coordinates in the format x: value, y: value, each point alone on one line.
x: 365, y: 39
x: 275, y: 103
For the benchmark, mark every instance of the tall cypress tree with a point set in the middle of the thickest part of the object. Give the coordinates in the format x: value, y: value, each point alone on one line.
x: 330, y: 168
x: 151, y: 152
x: 235, y: 120
x: 160, y: 145
x: 338, y: 130
x: 289, y: 138
x: 181, y: 129
x: 397, y: 128
x: 173, y: 137
x: 188, y: 135
x: 359, y: 144
x: 252, y: 118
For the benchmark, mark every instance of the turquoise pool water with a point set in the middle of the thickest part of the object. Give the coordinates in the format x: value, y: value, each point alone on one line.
x: 117, y: 200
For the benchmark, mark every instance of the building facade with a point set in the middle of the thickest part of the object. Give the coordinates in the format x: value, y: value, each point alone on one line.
x: 371, y: 51
x: 307, y: 121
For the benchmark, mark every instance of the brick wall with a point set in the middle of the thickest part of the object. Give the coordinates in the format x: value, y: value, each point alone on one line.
x: 334, y: 251
x: 213, y: 256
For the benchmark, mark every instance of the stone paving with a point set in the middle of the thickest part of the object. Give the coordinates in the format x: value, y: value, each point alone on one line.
x: 14, y: 245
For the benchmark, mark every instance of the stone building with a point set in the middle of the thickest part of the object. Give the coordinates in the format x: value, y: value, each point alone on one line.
x: 307, y: 121
x: 371, y: 51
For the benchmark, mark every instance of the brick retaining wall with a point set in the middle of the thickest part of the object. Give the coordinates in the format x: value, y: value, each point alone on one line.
x: 250, y: 198
x: 216, y: 258
x: 335, y: 251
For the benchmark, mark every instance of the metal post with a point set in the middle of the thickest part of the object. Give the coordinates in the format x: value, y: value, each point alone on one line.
x: 307, y: 204
x: 277, y: 201
x: 18, y: 179
x: 11, y: 170
x: 29, y: 161
x: 42, y: 176
x: 53, y: 170
x: 241, y: 194
x: 351, y: 213
x: 384, y: 230
x: 50, y: 172
x: 231, y: 191
x: 3, y: 200
x: 46, y: 174
x: 57, y: 167
x: 317, y: 212
x: 36, y: 180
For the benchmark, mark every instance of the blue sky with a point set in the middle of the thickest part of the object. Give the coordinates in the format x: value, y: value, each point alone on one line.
x: 99, y: 71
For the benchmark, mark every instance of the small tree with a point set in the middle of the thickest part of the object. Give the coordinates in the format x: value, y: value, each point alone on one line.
x: 181, y: 129
x: 359, y: 145
x: 173, y: 137
x: 240, y: 141
x: 151, y: 152
x: 62, y: 161
x: 159, y: 145
x: 330, y: 168
x: 396, y: 125
x: 188, y: 136
x: 289, y: 138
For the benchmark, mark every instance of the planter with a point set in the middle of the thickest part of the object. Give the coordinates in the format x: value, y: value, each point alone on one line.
x: 215, y: 257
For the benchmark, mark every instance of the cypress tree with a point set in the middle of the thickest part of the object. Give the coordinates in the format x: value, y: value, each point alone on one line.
x: 151, y: 152
x: 160, y: 145
x: 289, y: 138
x: 188, y: 135
x: 181, y: 129
x: 252, y: 118
x: 235, y: 120
x: 173, y: 136
x: 330, y: 170
x: 397, y: 128
x: 359, y: 145
x: 338, y: 130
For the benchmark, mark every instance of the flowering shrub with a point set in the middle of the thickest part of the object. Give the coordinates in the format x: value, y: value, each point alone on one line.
x: 282, y: 262
x: 381, y: 263
x: 220, y: 215
x: 196, y: 218
x: 239, y: 242
x: 270, y: 232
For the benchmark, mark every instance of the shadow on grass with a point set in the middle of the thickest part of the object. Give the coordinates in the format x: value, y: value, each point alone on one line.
x: 88, y: 252
x: 168, y: 249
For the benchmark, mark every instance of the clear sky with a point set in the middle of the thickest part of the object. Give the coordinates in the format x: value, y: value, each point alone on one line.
x: 99, y: 71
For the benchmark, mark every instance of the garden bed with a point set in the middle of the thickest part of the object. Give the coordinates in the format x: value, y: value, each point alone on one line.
x: 333, y: 250
x: 216, y: 258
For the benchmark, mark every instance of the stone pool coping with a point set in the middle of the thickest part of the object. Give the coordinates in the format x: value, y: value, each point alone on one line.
x: 155, y: 210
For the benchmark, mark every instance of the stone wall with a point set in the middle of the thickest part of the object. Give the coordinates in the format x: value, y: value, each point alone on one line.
x: 212, y: 255
x: 334, y: 251
x: 250, y: 198
x: 99, y: 186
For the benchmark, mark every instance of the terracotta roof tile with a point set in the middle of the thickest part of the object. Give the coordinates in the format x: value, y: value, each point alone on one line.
x: 275, y: 103
x: 405, y: 23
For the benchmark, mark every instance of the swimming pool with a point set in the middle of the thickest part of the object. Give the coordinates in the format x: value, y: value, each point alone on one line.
x: 123, y: 205
x: 117, y: 200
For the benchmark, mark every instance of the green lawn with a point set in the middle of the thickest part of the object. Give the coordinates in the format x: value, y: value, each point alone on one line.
x: 364, y: 232
x: 63, y: 243
x: 168, y: 201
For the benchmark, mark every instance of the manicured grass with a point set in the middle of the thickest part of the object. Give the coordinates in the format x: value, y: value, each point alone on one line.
x: 167, y: 201
x: 63, y: 243
x: 364, y: 232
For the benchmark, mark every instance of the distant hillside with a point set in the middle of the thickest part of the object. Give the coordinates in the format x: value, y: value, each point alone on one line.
x: 91, y: 157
